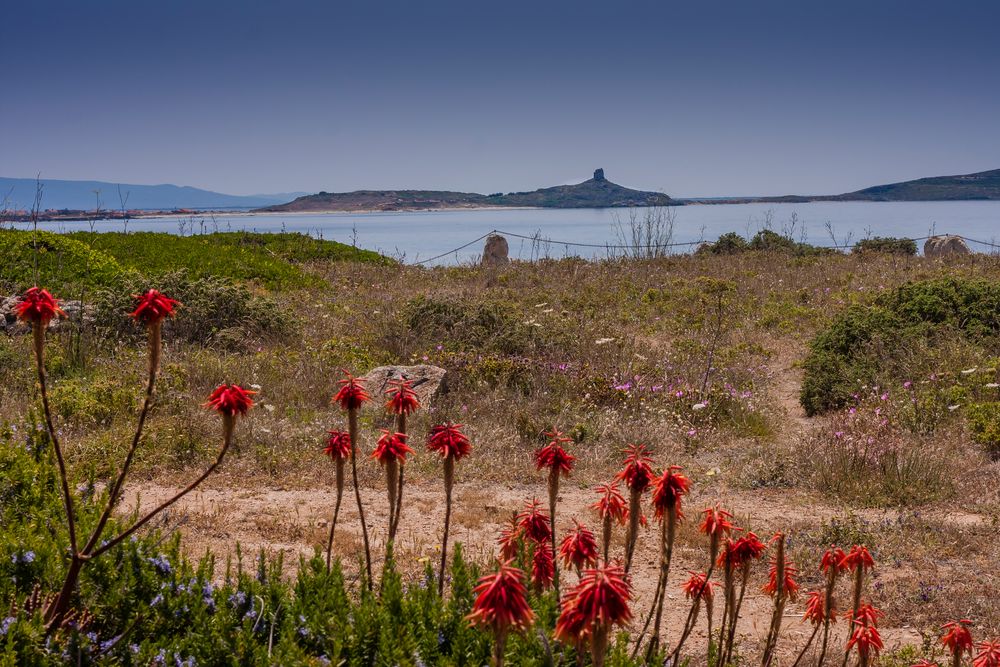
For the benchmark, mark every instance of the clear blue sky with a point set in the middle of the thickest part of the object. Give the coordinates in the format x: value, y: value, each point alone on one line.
x: 695, y: 99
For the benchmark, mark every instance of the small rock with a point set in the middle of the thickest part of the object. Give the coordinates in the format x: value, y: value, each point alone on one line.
x: 495, y: 252
x: 945, y: 246
x: 427, y: 380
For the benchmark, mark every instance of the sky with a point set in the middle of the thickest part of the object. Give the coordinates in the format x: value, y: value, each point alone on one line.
x: 707, y: 98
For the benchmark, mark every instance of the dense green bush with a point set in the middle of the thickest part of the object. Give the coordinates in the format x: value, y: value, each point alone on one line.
x: 727, y: 244
x: 61, y: 261
x: 766, y: 240
x: 888, y: 245
x: 867, y: 343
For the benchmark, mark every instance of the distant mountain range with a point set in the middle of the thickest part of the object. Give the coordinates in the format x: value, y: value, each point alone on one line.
x: 597, y: 192
x: 19, y: 193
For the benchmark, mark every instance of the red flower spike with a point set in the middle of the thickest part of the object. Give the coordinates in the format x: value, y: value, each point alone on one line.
x: 553, y: 457
x: 716, y: 522
x: 534, y: 522
x: 338, y: 445
x: 543, y: 569
x: 391, y: 446
x: 833, y: 558
x: 865, y: 637
x: 747, y: 548
x: 403, y: 399
x: 957, y: 638
x: 816, y: 609
x: 669, y: 489
x: 37, y: 306
x: 230, y: 400
x: 611, y: 503
x: 352, y: 394
x: 698, y: 587
x: 579, y: 548
x: 508, y: 540
x: 636, y: 473
x: 790, y: 587
x: 600, y: 600
x: 857, y: 557
x: 989, y: 654
x: 449, y: 441
x: 501, y: 602
x: 153, y: 307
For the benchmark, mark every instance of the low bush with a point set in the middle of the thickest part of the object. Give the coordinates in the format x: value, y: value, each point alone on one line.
x: 868, y: 344
x: 984, y: 422
x: 888, y: 245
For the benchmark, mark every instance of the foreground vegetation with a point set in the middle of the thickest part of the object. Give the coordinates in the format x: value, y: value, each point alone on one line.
x: 698, y: 356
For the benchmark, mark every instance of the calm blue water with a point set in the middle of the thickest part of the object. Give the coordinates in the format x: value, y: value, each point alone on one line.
x: 416, y: 236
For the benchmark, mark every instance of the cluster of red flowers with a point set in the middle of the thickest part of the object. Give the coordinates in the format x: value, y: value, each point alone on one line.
x: 230, y: 400
x: 670, y: 488
x: 402, y: 398
x: 449, y: 441
x: 153, y: 307
x: 579, y: 548
x: 352, y: 394
x: 637, y: 472
x: 699, y: 587
x: 599, y: 601
x: 338, y: 445
x: 553, y: 457
x: 37, y: 306
x: 611, y: 504
x: 391, y: 447
x: 501, y: 601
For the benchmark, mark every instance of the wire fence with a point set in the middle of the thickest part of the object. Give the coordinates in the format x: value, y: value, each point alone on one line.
x: 540, y: 240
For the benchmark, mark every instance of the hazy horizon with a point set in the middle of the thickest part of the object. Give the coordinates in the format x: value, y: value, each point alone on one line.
x: 693, y: 100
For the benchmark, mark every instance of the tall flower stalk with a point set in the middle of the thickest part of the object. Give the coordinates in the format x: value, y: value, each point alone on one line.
x: 452, y: 445
x: 559, y: 463
x: 717, y: 526
x: 858, y: 560
x: 501, y: 605
x: 865, y: 637
x: 610, y: 509
x: 390, y: 452
x: 590, y: 609
x: 668, y: 491
x: 402, y: 401
x: 351, y: 396
x: 781, y: 586
x: 746, y: 550
x: 832, y: 564
x: 338, y: 448
x: 637, y: 474
x: 37, y: 307
x: 699, y: 589
x: 579, y: 548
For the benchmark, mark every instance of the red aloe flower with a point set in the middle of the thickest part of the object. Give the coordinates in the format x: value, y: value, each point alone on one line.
x: 352, y: 393
x: 698, y: 586
x: 669, y: 490
x: 501, y: 602
x: 449, y: 441
x: 989, y: 654
x: 833, y: 559
x: 37, y: 306
x: 858, y: 557
x: 554, y: 457
x: 509, y: 537
x: 230, y: 400
x: 403, y: 400
x: 600, y: 600
x: 391, y: 447
x: 611, y: 504
x: 543, y: 569
x: 747, y: 548
x: 579, y: 548
x: 866, y: 637
x: 153, y: 307
x: 636, y: 471
x: 716, y: 522
x: 958, y: 639
x: 790, y: 587
x: 816, y: 609
x: 534, y: 522
x: 338, y: 445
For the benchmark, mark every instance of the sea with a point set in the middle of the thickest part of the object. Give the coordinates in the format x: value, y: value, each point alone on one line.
x: 456, y: 236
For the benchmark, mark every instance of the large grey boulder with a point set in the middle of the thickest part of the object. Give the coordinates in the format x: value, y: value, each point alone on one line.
x: 427, y: 380
x: 495, y: 252
x: 945, y: 246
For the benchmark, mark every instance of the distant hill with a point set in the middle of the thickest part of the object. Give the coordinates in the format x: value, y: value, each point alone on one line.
x: 983, y: 185
x: 79, y: 195
x: 597, y: 192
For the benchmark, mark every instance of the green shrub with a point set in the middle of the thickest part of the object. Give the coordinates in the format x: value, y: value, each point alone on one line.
x: 727, y: 244
x: 868, y: 343
x: 214, y: 311
x: 984, y: 422
x: 62, y: 262
x: 886, y: 245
